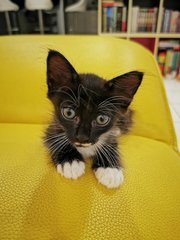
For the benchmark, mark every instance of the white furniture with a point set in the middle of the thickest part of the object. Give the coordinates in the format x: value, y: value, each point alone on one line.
x: 60, y: 17
x: 80, y: 6
x: 39, y: 5
x: 7, y: 6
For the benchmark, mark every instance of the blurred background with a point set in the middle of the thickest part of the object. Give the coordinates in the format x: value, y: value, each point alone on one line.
x: 57, y: 16
x: 154, y: 24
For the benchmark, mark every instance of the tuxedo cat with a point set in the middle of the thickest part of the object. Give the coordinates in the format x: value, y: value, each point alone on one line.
x: 89, y: 114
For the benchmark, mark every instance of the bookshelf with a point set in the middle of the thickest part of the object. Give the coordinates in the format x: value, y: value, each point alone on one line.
x: 149, y: 23
x: 156, y: 36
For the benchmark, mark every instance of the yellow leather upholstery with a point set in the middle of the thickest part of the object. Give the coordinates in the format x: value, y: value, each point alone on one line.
x: 35, y: 201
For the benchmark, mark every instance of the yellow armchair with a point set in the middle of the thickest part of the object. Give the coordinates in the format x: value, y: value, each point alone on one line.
x: 35, y: 201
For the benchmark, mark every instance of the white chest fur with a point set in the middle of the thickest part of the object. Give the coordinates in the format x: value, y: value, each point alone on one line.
x: 87, y: 151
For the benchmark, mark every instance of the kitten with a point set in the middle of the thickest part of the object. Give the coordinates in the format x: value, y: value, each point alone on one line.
x: 89, y: 114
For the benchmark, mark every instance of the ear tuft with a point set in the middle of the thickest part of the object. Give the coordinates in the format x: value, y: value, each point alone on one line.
x: 52, y: 53
x: 60, y: 72
x: 125, y: 86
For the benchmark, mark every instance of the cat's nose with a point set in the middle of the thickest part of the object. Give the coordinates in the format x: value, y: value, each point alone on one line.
x: 81, y: 138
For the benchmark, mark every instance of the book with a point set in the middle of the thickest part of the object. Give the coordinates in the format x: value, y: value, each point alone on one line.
x: 161, y: 61
x: 175, y: 60
x: 109, y: 3
x: 178, y: 24
x: 169, y: 44
x: 167, y: 62
x: 154, y: 19
x: 109, y: 19
x: 163, y: 14
x: 169, y: 58
x: 124, y: 16
x: 142, y: 27
x: 114, y: 17
x: 104, y: 21
x: 134, y: 23
x: 171, y: 21
x: 144, y: 19
x: 166, y: 20
x: 119, y: 19
x: 178, y: 69
x: 139, y: 21
x: 149, y: 20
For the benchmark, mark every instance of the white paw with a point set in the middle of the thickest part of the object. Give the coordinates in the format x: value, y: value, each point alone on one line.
x: 71, y: 170
x: 109, y: 177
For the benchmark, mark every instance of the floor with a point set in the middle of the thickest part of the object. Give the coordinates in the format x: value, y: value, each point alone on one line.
x: 173, y: 94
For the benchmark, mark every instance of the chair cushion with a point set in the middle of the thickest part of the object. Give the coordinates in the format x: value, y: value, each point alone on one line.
x: 37, y: 203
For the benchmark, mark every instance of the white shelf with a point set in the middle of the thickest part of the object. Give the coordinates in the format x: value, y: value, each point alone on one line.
x: 123, y: 35
x: 169, y: 35
x: 143, y: 35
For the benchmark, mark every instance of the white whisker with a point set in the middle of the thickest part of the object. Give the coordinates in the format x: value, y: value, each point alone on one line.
x: 58, y: 136
x: 56, y: 141
x: 58, y: 147
x: 72, y: 95
x: 104, y: 151
x: 99, y: 155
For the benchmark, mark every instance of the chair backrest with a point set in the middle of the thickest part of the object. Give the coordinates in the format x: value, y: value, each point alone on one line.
x: 23, y: 78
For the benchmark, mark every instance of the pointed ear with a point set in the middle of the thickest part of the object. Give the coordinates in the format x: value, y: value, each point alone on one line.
x: 125, y: 86
x: 59, y: 72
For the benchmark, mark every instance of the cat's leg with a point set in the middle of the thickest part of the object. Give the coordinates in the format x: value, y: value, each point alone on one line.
x: 107, y: 167
x: 69, y: 162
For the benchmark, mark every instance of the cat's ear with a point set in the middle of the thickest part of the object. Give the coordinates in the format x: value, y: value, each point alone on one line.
x: 125, y: 86
x: 59, y: 72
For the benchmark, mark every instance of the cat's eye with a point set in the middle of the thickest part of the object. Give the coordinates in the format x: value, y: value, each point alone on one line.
x: 102, y: 120
x: 68, y: 113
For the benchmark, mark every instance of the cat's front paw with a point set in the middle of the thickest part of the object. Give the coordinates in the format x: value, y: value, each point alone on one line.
x: 109, y: 177
x: 71, y: 170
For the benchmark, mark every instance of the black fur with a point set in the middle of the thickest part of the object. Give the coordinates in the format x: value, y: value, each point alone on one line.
x: 89, y: 96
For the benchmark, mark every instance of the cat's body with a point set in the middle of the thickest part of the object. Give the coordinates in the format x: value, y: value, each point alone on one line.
x: 89, y: 114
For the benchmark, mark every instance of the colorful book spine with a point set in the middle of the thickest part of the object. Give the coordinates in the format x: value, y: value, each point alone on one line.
x: 104, y: 20
x: 175, y: 60
x: 134, y: 23
x: 161, y: 61
x: 124, y: 17
x: 144, y: 19
x: 154, y: 19
x: 167, y: 18
x: 119, y: 19
x: 149, y: 19
x: 178, y: 24
x: 178, y: 69
x: 171, y: 21
x: 114, y: 22
x: 114, y: 17
x: 109, y: 19
x: 169, y: 58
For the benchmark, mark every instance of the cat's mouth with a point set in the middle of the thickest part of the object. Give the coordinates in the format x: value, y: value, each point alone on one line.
x: 83, y: 144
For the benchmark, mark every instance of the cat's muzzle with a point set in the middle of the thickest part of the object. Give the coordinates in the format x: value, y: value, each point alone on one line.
x: 82, y: 144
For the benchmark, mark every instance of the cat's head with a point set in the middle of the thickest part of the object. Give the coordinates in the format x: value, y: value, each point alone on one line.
x: 86, y: 106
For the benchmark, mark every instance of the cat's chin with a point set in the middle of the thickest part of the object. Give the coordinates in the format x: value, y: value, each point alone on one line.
x: 77, y: 144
